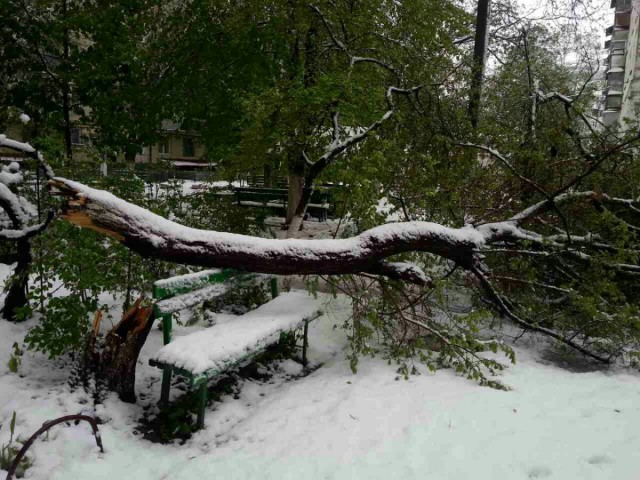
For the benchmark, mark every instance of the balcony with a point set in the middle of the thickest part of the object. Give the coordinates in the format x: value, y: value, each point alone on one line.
x: 609, y: 117
x: 613, y: 29
x: 621, y: 5
x: 615, y: 61
x: 618, y: 46
x: 622, y: 19
x: 614, y: 100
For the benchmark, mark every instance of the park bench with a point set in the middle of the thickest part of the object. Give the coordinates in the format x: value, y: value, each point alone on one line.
x: 277, y: 198
x: 213, y: 351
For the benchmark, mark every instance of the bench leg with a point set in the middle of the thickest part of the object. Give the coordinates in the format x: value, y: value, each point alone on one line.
x: 305, y: 343
x: 202, y: 403
x: 274, y: 287
x: 166, y: 386
x: 167, y: 323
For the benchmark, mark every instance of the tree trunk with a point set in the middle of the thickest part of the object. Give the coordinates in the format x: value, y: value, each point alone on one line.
x: 117, y: 362
x: 130, y: 154
x: 296, y: 187
x: 267, y: 172
x: 66, y: 89
x: 479, y: 59
x: 17, y: 294
x: 298, y: 216
x: 67, y: 121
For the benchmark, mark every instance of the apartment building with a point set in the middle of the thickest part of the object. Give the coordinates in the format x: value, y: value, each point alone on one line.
x: 619, y: 102
x: 178, y: 145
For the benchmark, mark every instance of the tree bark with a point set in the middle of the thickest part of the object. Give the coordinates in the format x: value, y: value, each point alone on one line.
x: 130, y: 154
x: 267, y: 172
x: 294, y: 195
x: 66, y: 88
x: 117, y: 362
x: 479, y: 59
x: 301, y: 209
x: 153, y: 236
x: 18, y: 290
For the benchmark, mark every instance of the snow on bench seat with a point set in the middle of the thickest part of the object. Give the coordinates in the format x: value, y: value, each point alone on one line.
x: 218, y: 348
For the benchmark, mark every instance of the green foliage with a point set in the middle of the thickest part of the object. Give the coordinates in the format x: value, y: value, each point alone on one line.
x: 269, y: 75
x: 62, y: 327
x: 244, y: 296
x: 75, y: 271
x: 402, y: 327
x: 15, y: 358
x: 9, y: 451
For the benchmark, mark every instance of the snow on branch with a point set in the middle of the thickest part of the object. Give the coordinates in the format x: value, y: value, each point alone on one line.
x: 28, y: 150
x: 152, y: 235
x: 367, y: 253
x: 20, y: 212
x: 337, y: 146
x: 356, y: 59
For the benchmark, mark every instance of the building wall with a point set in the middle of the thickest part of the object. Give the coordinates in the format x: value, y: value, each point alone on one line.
x: 174, y: 142
x: 631, y: 92
x: 620, y: 93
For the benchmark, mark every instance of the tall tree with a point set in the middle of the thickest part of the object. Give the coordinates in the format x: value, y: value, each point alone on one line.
x: 39, y: 49
x: 481, y: 43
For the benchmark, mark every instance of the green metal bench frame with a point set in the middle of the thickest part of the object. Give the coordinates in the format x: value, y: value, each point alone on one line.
x: 200, y: 381
x: 320, y: 200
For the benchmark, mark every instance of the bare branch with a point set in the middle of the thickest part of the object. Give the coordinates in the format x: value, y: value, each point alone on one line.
x: 507, y: 312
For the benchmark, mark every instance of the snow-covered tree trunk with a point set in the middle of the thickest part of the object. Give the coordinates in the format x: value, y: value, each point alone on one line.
x: 466, y: 247
x: 19, y: 215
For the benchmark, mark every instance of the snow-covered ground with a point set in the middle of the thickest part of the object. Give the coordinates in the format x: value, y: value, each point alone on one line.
x: 553, y: 424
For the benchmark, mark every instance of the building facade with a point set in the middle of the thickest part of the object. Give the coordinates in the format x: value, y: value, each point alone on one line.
x: 181, y: 147
x: 620, y: 100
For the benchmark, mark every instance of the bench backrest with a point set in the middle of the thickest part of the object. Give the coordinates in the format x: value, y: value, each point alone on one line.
x: 266, y: 194
x: 184, y: 291
x: 173, y: 286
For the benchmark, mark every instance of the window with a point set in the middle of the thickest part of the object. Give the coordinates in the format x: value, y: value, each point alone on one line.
x: 163, y: 146
x: 76, y: 138
x: 188, y: 148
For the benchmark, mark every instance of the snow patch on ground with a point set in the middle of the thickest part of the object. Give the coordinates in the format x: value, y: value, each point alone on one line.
x: 331, y: 424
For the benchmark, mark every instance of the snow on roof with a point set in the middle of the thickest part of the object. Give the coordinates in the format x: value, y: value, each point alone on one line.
x: 221, y: 346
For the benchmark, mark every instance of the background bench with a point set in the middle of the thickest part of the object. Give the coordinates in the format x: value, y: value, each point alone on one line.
x: 277, y: 198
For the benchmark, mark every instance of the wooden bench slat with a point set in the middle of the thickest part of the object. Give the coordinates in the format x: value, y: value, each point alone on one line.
x: 185, y: 283
x: 195, y: 380
x: 186, y: 300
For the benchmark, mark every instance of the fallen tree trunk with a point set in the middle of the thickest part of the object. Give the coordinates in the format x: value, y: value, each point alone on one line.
x: 154, y: 236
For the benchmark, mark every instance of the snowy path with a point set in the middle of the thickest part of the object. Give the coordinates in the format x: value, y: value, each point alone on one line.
x: 554, y: 424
